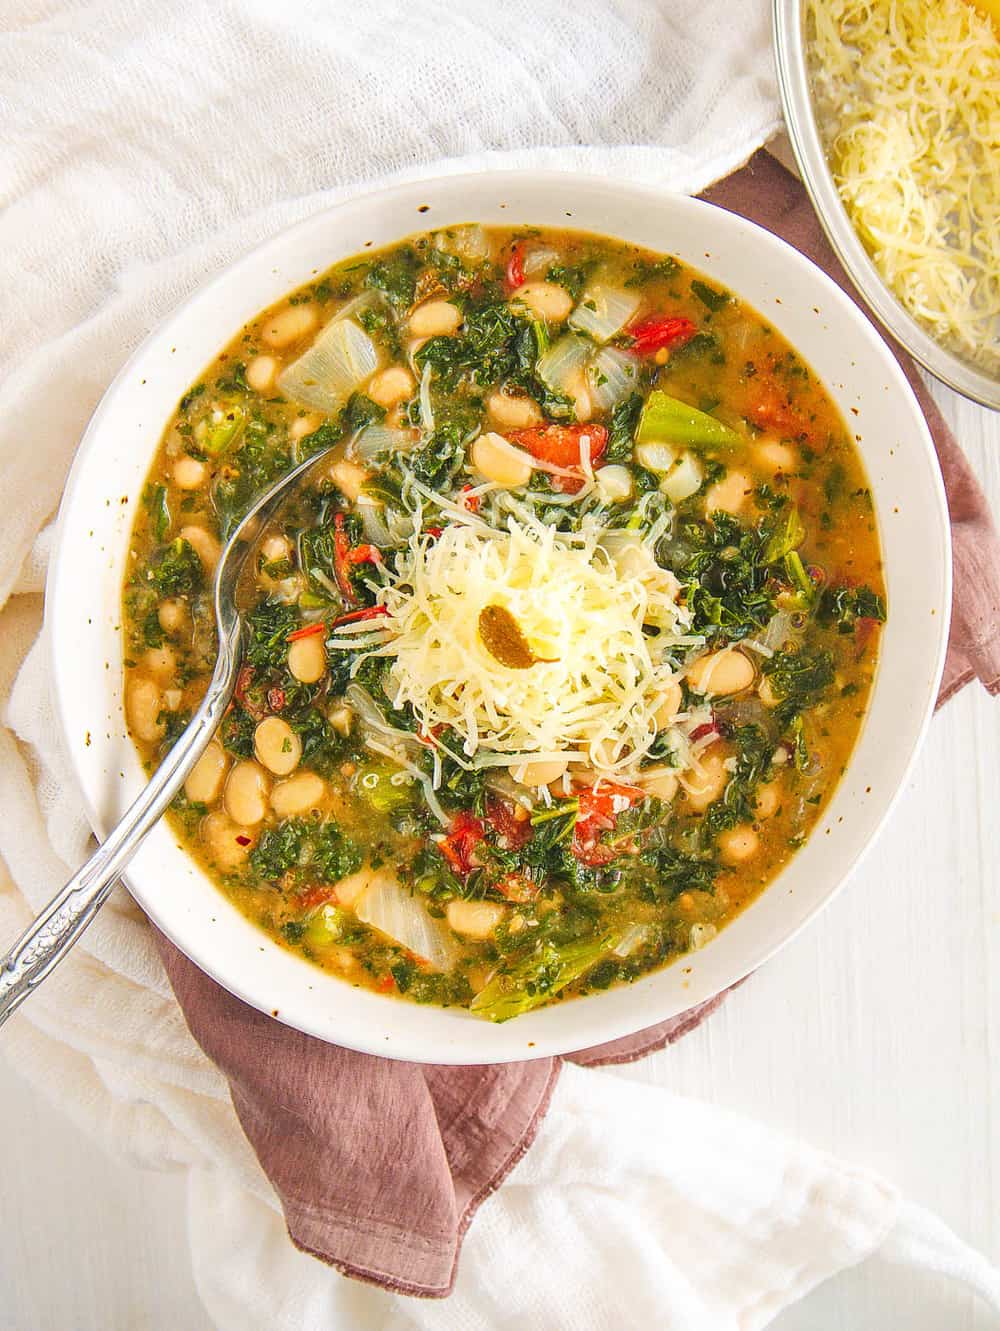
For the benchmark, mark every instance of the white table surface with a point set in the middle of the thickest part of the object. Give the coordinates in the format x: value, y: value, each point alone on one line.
x: 875, y: 1035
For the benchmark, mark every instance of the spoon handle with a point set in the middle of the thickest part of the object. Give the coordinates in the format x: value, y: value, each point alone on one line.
x: 51, y: 935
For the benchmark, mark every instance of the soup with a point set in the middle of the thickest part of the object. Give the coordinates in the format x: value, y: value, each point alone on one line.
x: 556, y: 657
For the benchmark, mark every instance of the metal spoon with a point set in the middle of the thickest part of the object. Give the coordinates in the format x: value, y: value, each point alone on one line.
x: 49, y: 937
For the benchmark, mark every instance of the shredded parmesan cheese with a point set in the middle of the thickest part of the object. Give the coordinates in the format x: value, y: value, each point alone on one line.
x: 908, y: 104
x: 594, y: 695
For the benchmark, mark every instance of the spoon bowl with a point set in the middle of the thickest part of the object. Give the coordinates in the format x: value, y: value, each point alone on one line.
x: 51, y: 935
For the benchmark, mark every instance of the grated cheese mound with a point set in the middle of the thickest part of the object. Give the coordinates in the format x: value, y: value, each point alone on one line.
x: 594, y: 701
x: 908, y: 105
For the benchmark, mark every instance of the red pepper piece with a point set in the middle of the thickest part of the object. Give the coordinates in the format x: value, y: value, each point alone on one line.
x: 363, y: 554
x: 241, y: 692
x: 597, y: 814
x: 434, y: 531
x: 468, y: 500
x: 386, y: 984
x: 307, y: 631
x: 560, y: 445
x: 356, y: 616
x: 515, y: 269
x: 661, y: 331
x: 342, y: 557
x: 459, y: 845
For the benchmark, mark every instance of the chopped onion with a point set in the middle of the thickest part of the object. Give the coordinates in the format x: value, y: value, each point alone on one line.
x: 632, y: 939
x: 702, y: 934
x: 564, y: 359
x: 341, y: 359
x: 685, y: 478
x: 604, y: 311
x: 613, y: 375
x: 469, y: 241
x: 373, y: 522
x: 780, y: 630
x: 403, y: 918
x: 379, y: 439
x: 426, y: 408
x: 539, y: 260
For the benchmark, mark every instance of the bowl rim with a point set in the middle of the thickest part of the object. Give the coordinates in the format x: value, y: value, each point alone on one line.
x: 597, y: 1031
x: 817, y: 178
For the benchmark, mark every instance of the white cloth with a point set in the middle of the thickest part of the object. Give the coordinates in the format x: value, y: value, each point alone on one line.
x: 143, y: 147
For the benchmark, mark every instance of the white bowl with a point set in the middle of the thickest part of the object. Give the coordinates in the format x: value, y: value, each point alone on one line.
x: 100, y: 504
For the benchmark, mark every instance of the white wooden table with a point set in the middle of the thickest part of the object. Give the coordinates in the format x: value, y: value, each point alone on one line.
x: 875, y: 1035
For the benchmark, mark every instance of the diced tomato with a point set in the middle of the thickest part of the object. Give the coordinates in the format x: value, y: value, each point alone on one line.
x: 513, y: 832
x: 244, y: 682
x: 468, y: 500
x: 597, y: 814
x: 705, y: 729
x: 517, y: 887
x: 661, y: 331
x: 458, y: 847
x: 560, y: 445
x: 515, y: 269
x: 426, y: 736
x: 311, y: 897
x: 307, y: 631
x: 386, y: 984
x: 864, y: 630
x: 434, y: 531
x: 771, y: 407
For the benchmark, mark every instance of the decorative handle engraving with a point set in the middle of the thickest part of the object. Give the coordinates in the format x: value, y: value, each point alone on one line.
x: 47, y: 940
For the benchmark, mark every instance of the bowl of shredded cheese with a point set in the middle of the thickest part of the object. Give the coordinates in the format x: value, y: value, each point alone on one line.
x: 893, y: 111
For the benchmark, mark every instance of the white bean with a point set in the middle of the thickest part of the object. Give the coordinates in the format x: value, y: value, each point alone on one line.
x: 261, y: 373
x: 547, y: 300
x: 245, y: 798
x: 277, y: 746
x: 738, y: 844
x: 160, y: 662
x: 772, y: 455
x: 435, y: 318
x: 704, y: 787
x: 476, y: 919
x: 669, y: 707
x: 173, y: 615
x: 350, y: 888
x: 204, y: 544
x: 206, y: 777
x: 513, y: 413
x: 307, y: 659
x: 661, y: 783
x: 721, y: 673
x: 391, y: 386
x: 288, y: 325
x: 730, y: 494
x: 228, y: 843
x: 768, y: 800
x: 348, y: 477
x: 493, y: 458
x: 539, y: 774
x: 144, y: 707
x: 614, y: 483
x: 299, y: 794
x: 303, y: 425
x: 189, y: 473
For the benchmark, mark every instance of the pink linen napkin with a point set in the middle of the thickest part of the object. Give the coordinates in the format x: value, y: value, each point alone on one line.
x: 380, y: 1166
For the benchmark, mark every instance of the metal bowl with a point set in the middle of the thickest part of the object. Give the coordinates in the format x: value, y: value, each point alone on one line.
x: 796, y: 98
